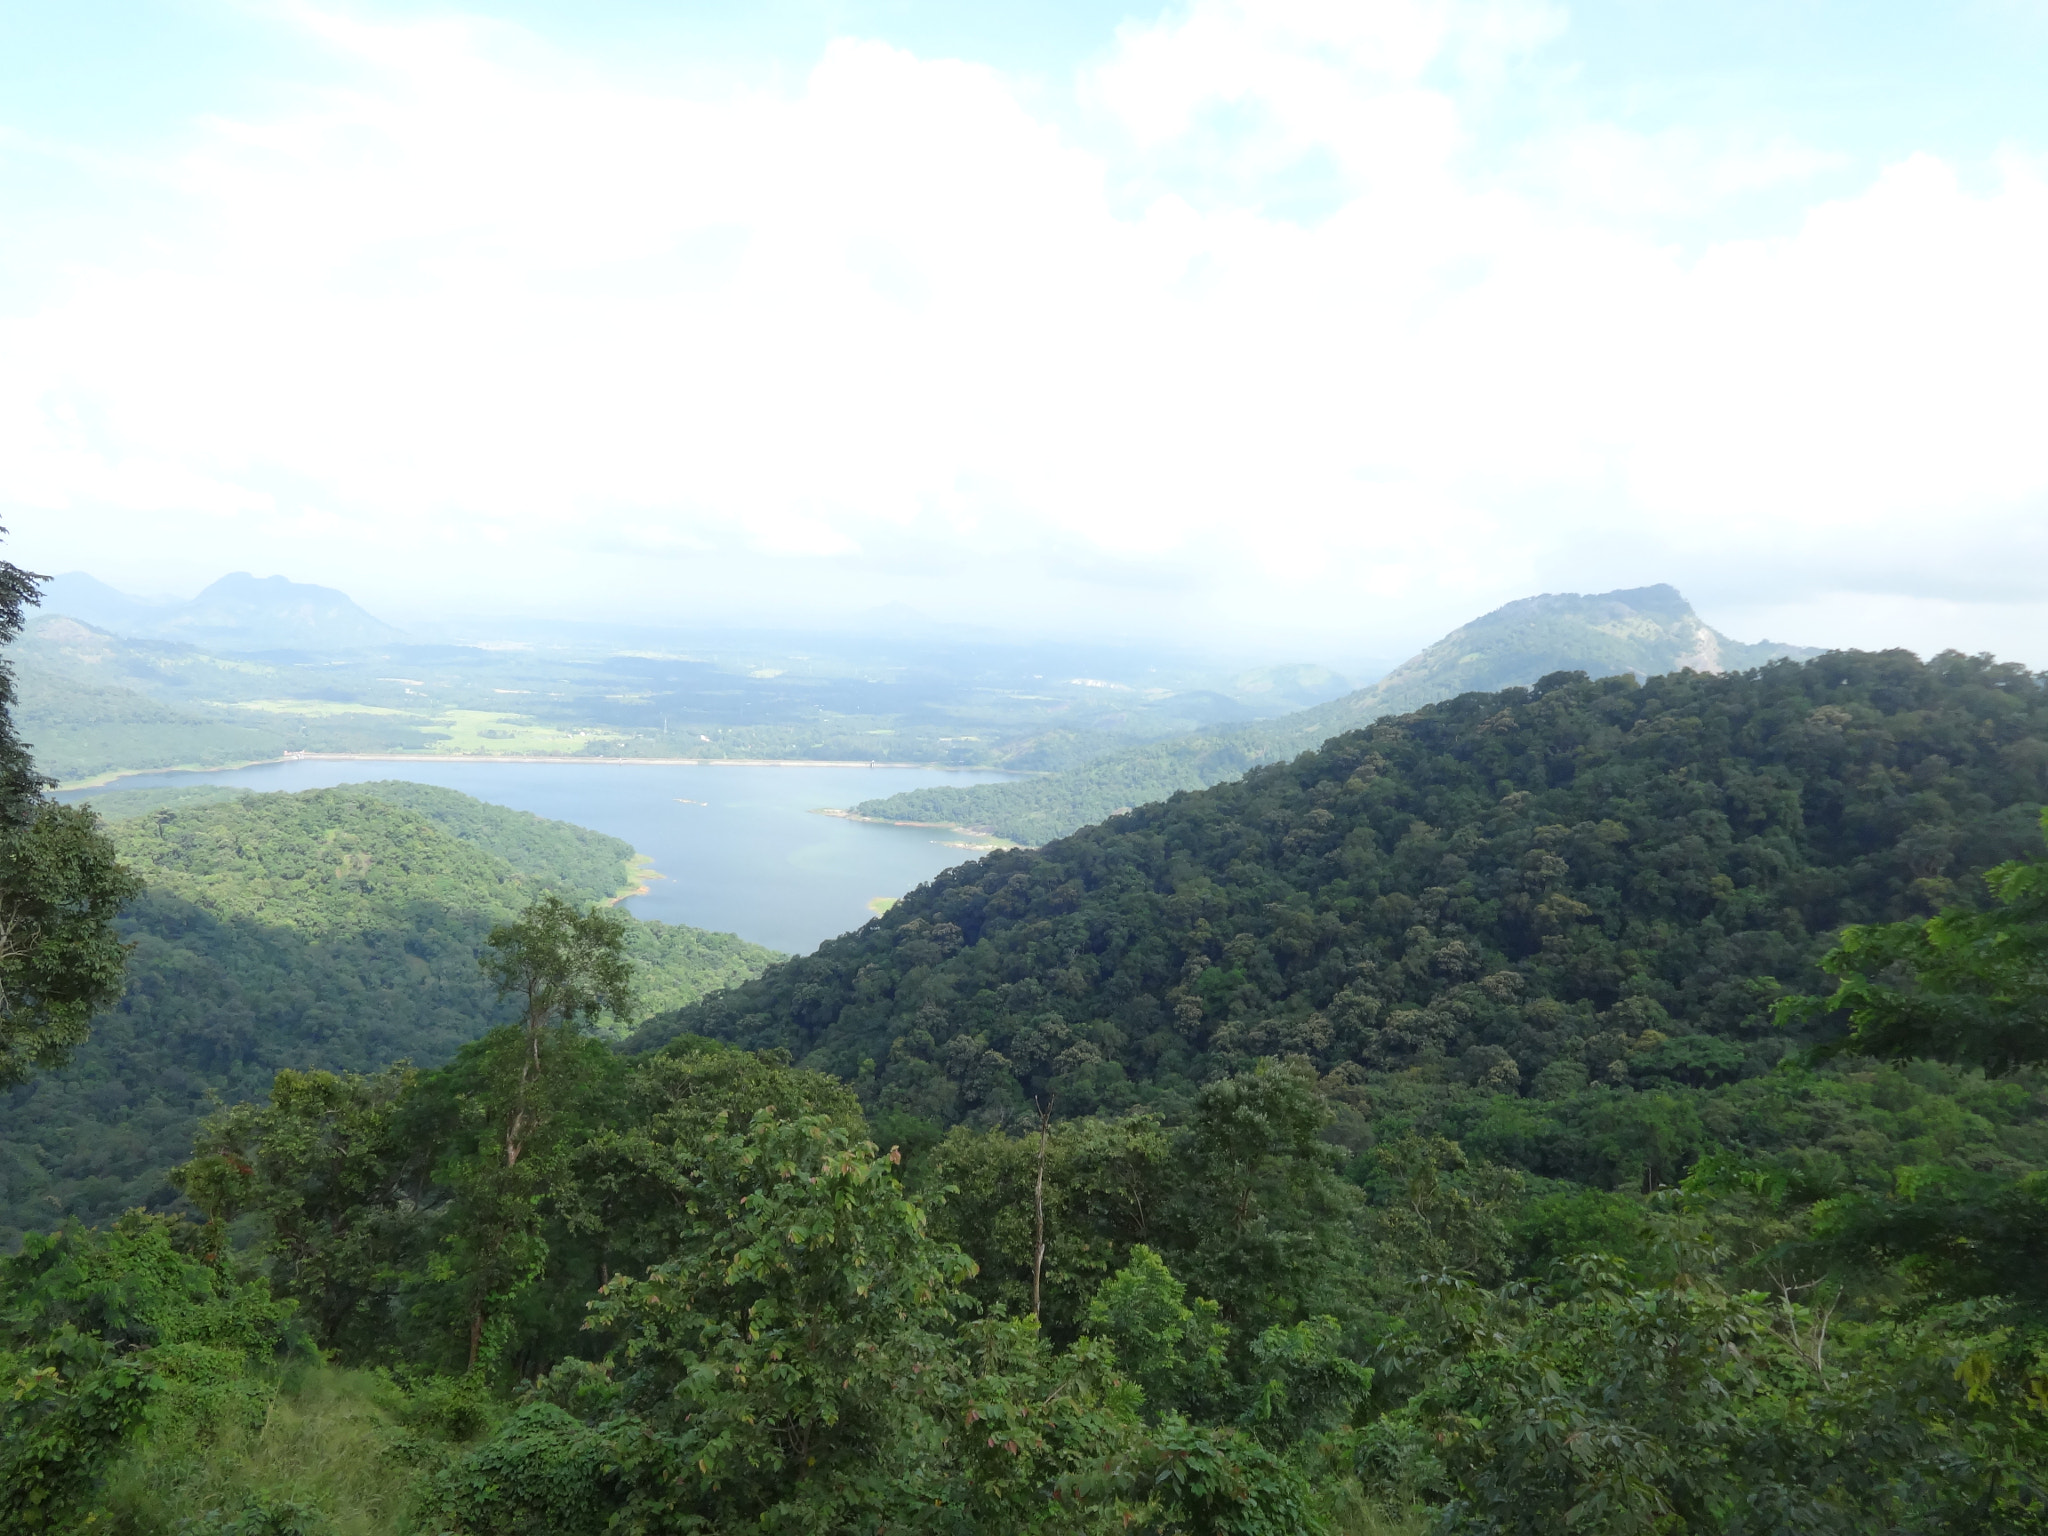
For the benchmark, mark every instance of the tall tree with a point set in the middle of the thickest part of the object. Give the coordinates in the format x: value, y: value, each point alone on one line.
x: 566, y: 969
x: 60, y: 887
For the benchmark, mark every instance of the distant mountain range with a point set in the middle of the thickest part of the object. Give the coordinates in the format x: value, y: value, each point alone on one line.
x: 240, y: 612
x: 1645, y: 630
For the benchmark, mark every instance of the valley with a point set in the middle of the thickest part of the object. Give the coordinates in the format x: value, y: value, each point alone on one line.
x: 1219, y: 768
x: 145, y: 695
x: 1286, y: 1095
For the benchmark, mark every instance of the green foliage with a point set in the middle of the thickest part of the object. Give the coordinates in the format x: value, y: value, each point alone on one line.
x: 21, y: 785
x: 1173, y: 1351
x: 563, y: 967
x: 60, y: 886
x: 1965, y: 986
x: 1243, y: 1200
x: 1649, y: 1397
x: 84, y: 727
x: 801, y: 1365
x: 774, y: 1359
x: 126, y: 804
x: 387, y: 1208
x: 583, y: 865
x: 329, y: 1162
x: 100, y: 1329
x: 334, y: 929
x: 1425, y: 1154
x: 1107, y: 1182
x: 1571, y: 905
x: 60, y: 958
x: 71, y: 1407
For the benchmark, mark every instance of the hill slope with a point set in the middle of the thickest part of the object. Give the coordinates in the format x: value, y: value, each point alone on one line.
x: 1498, y: 905
x: 1644, y: 630
x: 80, y: 595
x: 334, y: 928
x: 242, y: 612
x: 94, y: 704
x: 80, y: 730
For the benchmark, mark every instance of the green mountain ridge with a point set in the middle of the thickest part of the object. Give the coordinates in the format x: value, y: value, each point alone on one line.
x: 333, y: 928
x: 1644, y: 630
x: 1502, y: 906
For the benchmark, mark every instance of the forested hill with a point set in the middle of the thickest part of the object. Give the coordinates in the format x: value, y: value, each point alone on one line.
x: 1508, y: 905
x: 581, y: 864
x: 92, y: 703
x: 334, y: 928
x: 1643, y: 630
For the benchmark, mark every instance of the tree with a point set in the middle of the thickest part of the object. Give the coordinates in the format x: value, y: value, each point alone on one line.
x: 338, y: 1170
x: 799, y: 1364
x: 1260, y: 1219
x: 60, y: 959
x: 1967, y: 986
x: 568, y: 968
x: 60, y: 887
x: 21, y: 787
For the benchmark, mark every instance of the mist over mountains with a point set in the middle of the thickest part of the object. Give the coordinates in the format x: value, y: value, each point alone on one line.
x: 240, y: 612
x: 252, y: 669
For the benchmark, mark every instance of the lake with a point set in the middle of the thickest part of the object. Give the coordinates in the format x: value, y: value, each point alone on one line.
x: 741, y: 849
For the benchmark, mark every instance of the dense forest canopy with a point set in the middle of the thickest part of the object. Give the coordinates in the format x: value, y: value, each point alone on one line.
x: 1589, y: 1107
x: 1530, y: 893
x: 333, y: 928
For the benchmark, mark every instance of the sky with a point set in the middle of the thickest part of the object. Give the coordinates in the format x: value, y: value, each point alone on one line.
x: 1290, y: 328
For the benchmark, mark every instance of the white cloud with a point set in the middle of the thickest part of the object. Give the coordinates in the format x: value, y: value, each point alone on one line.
x: 896, y: 320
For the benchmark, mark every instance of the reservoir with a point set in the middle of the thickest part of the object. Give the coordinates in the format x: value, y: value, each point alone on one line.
x: 739, y: 849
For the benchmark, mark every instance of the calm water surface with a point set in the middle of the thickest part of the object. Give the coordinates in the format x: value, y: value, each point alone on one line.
x: 741, y: 849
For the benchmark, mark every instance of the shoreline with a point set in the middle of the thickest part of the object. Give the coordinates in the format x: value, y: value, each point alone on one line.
x: 989, y: 841
x: 107, y: 780
x: 642, y: 870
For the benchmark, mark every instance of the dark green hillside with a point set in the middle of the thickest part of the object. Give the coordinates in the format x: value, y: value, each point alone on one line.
x: 332, y: 929
x: 1645, y: 630
x: 1582, y: 896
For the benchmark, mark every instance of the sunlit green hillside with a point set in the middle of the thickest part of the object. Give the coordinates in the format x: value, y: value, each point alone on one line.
x: 333, y: 928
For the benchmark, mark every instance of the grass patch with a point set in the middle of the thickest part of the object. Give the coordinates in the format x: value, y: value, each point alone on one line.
x: 487, y: 731
x: 338, y: 1453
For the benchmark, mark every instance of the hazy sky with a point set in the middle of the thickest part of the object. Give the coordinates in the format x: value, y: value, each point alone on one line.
x: 1305, y: 325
